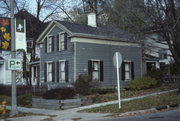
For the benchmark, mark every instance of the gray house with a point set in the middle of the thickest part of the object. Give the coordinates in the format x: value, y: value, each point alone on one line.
x: 67, y: 50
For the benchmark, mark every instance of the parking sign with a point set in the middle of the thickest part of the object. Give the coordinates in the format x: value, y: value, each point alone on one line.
x: 14, y: 64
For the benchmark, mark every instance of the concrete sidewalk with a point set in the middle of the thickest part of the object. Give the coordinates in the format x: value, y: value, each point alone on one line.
x: 70, y: 114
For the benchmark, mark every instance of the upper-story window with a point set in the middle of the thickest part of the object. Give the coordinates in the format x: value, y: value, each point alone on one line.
x: 61, y: 41
x: 162, y: 54
x: 49, y: 44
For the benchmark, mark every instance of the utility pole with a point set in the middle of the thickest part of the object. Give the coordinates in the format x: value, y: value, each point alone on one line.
x: 14, y: 110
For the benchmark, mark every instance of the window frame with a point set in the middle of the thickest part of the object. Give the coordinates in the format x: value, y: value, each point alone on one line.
x: 49, y: 44
x: 61, y: 41
x: 100, y: 69
x: 96, y: 71
x: 62, y: 71
x: 47, y: 72
x: 130, y: 70
x: 127, y: 71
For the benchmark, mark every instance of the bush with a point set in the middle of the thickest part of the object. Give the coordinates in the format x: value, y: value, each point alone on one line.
x: 83, y: 84
x: 59, y: 93
x: 157, y: 74
x: 174, y: 69
x: 25, y: 100
x: 143, y: 83
x: 102, y: 90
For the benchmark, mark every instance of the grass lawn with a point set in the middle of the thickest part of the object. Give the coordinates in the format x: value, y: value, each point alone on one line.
x: 129, y: 93
x: 25, y: 100
x: 139, y: 104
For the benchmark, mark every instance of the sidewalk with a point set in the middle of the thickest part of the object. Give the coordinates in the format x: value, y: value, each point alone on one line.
x: 71, y: 114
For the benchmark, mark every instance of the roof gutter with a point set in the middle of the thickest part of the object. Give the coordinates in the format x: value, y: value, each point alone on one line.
x: 100, y: 37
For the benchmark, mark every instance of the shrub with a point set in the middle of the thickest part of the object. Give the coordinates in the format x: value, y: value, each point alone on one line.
x: 59, y: 93
x: 102, y: 90
x: 83, y: 84
x: 143, y: 83
x: 25, y: 100
x: 157, y: 74
x: 174, y: 69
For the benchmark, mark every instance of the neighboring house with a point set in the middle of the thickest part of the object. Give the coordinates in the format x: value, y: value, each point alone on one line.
x: 67, y: 50
x: 156, y: 53
x: 33, y: 28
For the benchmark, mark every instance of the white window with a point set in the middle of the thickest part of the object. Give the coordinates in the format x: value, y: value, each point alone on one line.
x: 95, y: 70
x: 127, y: 71
x: 49, y: 72
x: 49, y: 44
x: 62, y: 72
x: 61, y: 41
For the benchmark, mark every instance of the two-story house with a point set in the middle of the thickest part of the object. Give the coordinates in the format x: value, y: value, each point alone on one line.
x: 67, y: 50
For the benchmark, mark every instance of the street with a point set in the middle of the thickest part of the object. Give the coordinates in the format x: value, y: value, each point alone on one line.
x: 173, y: 115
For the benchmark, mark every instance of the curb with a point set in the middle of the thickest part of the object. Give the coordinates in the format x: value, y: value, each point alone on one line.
x: 167, y: 106
x: 152, y: 110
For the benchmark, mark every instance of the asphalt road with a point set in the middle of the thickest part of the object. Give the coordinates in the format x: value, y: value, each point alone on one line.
x: 173, y: 115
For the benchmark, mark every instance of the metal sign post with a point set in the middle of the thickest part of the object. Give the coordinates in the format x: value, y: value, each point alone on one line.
x: 14, y: 110
x: 117, y: 60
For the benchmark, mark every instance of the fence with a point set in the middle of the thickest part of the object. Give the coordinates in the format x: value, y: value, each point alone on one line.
x: 22, y: 90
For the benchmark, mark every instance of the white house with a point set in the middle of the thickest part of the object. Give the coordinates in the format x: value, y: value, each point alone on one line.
x: 156, y: 53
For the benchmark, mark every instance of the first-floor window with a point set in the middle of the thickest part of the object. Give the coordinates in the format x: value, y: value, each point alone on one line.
x: 127, y: 70
x: 49, y: 72
x: 62, y: 71
x: 96, y: 70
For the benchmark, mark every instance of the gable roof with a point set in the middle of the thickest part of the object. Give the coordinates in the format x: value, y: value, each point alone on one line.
x: 81, y: 30
x: 34, y: 26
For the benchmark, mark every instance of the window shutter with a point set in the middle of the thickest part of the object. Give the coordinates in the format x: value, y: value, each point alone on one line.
x: 57, y: 39
x: 90, y: 68
x: 45, y: 41
x: 53, y: 72
x: 52, y: 43
x: 123, y: 71
x: 132, y: 70
x: 45, y: 72
x: 101, y: 71
x: 57, y: 65
x: 65, y: 41
x: 66, y: 71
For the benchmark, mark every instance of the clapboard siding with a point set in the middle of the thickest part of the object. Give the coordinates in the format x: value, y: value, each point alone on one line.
x: 88, y: 51
x: 57, y: 55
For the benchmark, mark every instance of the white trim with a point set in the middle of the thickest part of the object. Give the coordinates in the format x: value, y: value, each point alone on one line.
x: 62, y: 60
x: 62, y: 33
x: 95, y: 59
x: 75, y: 66
x: 103, y: 42
x: 47, y: 77
x: 127, y: 61
x: 41, y: 38
x: 63, y: 27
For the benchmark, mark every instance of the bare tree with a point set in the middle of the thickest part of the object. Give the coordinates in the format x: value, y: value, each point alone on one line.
x: 164, y: 19
x: 5, y: 6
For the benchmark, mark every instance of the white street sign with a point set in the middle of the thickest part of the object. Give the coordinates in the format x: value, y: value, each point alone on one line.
x: 14, y: 64
x: 117, y: 61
